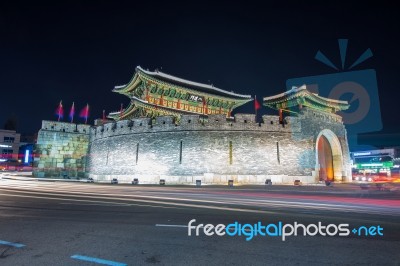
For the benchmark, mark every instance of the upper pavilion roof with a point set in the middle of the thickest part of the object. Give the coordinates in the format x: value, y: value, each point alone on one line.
x: 300, y: 95
x: 183, y: 83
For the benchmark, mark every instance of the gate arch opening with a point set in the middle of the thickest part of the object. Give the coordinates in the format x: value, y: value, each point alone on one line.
x: 329, y: 156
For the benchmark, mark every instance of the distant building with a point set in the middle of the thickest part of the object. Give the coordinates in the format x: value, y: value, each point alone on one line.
x: 9, y: 144
x: 376, y: 161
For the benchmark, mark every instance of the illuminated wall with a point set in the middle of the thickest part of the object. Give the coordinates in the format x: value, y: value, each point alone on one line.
x: 213, y: 151
x: 61, y: 150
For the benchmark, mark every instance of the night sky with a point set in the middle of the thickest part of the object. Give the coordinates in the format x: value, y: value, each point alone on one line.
x: 78, y: 52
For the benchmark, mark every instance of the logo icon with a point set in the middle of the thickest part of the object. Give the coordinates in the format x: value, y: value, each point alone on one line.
x: 358, y: 87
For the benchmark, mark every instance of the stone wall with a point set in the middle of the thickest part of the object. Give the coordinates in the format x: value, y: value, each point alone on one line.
x: 313, y: 122
x: 61, y: 150
x: 213, y: 150
x: 205, y: 151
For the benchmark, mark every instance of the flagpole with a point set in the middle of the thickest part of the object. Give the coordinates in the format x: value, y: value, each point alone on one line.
x: 72, y: 112
x: 255, y: 98
x: 59, y: 110
x: 87, y: 113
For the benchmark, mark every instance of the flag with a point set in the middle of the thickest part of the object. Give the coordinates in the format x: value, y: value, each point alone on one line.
x: 72, y: 112
x: 256, y: 104
x: 280, y: 116
x: 120, y: 112
x: 60, y: 111
x: 104, y: 116
x: 85, y: 113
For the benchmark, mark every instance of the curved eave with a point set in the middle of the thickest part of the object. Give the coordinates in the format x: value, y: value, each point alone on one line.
x: 139, y: 102
x: 191, y: 85
x: 332, y: 101
x: 130, y: 86
x: 302, y: 92
x: 237, y: 102
x: 147, y: 78
x: 126, y: 112
x: 241, y: 103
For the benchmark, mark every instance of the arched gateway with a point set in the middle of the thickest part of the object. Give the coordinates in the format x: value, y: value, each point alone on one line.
x: 329, y: 156
x: 318, y: 121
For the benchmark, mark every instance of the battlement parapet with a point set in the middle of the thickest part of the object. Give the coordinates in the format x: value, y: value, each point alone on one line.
x: 85, y: 129
x: 164, y: 122
x: 241, y: 122
x: 245, y: 118
x: 65, y: 127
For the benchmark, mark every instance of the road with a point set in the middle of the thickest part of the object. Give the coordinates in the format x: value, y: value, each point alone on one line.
x: 60, y: 223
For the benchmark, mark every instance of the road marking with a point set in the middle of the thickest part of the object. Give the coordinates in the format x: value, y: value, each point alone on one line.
x: 97, y: 260
x: 16, y: 245
x: 171, y: 225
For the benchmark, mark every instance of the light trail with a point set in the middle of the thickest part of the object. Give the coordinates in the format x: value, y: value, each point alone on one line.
x: 236, y: 201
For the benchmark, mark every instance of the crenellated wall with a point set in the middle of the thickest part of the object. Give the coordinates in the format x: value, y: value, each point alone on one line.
x: 194, y: 123
x: 61, y: 150
x: 213, y: 150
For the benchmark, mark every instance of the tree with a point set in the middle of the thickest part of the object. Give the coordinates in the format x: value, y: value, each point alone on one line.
x: 11, y: 123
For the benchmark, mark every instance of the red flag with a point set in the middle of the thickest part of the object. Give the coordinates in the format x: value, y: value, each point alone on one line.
x: 85, y: 113
x: 60, y: 111
x: 280, y: 116
x: 72, y: 112
x: 256, y: 104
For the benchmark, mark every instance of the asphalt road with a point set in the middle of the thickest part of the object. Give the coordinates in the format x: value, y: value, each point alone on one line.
x: 142, y: 225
